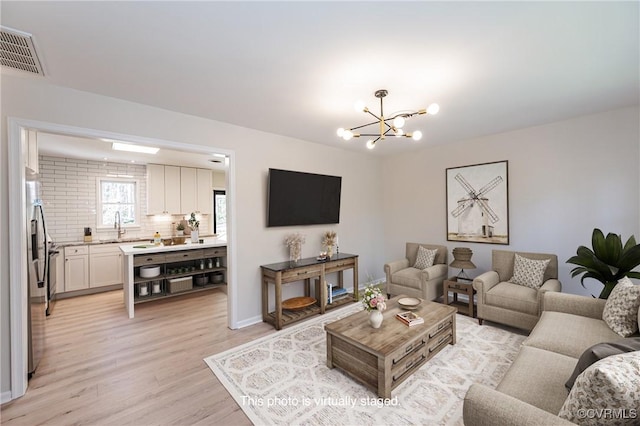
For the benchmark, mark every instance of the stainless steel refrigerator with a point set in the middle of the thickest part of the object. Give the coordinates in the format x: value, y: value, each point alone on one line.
x: 37, y: 269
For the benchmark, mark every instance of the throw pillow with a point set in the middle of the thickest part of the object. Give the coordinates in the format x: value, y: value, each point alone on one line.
x: 600, y: 351
x: 612, y: 383
x: 621, y: 309
x: 528, y: 272
x: 425, y: 258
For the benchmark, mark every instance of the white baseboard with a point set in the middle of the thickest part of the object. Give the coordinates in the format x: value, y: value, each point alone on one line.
x: 5, y: 397
x: 250, y: 321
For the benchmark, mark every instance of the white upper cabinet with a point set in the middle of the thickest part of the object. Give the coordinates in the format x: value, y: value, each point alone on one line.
x: 172, y: 189
x: 155, y: 189
x: 30, y: 150
x: 204, y: 192
x: 178, y: 190
x: 188, y: 186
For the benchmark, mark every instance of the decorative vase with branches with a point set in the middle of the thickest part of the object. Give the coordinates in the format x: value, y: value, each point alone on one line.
x: 608, y: 262
x: 295, y: 242
x: 329, y: 241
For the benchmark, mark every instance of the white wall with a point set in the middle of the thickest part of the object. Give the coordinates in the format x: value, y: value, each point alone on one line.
x: 255, y: 152
x: 565, y: 179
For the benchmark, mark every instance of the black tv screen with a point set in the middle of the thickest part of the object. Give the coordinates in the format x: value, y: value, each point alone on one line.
x: 297, y: 198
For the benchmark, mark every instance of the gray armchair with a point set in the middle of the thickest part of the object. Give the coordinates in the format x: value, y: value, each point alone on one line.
x: 403, y: 278
x: 512, y: 304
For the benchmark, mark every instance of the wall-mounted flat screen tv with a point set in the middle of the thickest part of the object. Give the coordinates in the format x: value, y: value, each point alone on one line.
x: 297, y: 198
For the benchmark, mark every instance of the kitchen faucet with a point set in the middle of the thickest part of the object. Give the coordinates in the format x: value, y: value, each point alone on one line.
x: 118, y: 225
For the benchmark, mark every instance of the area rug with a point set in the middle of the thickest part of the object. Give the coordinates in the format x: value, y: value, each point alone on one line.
x: 282, y: 379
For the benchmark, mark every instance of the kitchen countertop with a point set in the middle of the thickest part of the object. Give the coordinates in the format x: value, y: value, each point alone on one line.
x: 124, y: 241
x: 135, y: 248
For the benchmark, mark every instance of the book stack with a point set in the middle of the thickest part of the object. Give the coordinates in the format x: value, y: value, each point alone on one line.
x: 409, y: 318
x: 335, y: 293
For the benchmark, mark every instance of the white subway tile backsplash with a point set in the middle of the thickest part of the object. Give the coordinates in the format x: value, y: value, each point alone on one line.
x: 69, y: 195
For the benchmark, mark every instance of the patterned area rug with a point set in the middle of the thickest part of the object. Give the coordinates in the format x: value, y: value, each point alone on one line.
x: 282, y: 379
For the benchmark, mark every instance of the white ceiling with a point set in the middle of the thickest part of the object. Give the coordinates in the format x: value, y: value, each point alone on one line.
x: 296, y: 68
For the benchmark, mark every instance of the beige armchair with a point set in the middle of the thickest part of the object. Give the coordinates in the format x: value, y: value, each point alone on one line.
x: 403, y: 278
x: 513, y: 304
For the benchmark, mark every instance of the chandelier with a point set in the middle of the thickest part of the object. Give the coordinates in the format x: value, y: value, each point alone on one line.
x: 391, y: 126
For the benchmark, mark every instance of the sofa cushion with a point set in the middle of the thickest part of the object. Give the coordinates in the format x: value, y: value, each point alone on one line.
x: 409, y: 277
x: 537, y: 377
x: 528, y: 272
x: 600, y: 351
x: 513, y: 297
x: 612, y: 383
x: 620, y: 311
x: 425, y: 258
x: 568, y: 334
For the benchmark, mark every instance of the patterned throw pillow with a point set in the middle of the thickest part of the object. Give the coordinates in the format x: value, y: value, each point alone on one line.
x: 611, y: 383
x: 621, y: 309
x: 425, y: 258
x: 528, y: 272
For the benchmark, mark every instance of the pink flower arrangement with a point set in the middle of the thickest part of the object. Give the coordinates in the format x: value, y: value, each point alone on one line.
x: 373, y: 299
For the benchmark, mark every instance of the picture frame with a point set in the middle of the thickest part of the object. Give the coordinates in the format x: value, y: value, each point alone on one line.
x: 478, y: 203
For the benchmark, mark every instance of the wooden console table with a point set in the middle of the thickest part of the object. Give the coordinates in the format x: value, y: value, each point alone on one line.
x: 304, y: 270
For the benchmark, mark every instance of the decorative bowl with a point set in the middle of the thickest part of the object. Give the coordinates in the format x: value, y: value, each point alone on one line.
x: 149, y: 271
x: 167, y: 241
x: 179, y: 240
x: 409, y: 303
x: 297, y: 303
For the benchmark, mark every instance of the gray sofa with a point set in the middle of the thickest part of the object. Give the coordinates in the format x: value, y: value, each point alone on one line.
x: 533, y: 390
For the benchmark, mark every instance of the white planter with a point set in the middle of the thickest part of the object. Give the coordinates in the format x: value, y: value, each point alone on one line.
x: 194, y: 236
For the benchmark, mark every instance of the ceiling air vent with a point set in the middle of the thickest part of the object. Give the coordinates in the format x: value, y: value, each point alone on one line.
x: 17, y: 51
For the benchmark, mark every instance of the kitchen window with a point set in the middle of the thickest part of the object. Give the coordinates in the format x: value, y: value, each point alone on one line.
x: 118, y: 195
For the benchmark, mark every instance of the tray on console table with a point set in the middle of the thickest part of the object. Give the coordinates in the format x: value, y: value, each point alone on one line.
x: 282, y: 273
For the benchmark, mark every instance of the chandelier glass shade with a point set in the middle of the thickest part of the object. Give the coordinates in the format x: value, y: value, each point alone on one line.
x: 390, y: 126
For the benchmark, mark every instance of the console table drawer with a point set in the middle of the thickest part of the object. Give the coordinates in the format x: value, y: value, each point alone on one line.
x: 151, y: 259
x: 185, y: 255
x: 301, y: 273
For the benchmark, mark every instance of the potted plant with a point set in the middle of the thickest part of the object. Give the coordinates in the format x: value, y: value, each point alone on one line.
x: 608, y: 262
x: 194, y: 224
x: 180, y: 229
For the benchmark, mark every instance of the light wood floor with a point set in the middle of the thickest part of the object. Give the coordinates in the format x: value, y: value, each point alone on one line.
x: 101, y: 368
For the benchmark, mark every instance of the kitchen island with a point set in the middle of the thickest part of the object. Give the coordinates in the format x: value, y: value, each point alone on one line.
x: 156, y: 272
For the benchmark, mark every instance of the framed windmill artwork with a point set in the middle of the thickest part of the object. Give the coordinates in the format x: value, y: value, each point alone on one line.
x: 478, y: 203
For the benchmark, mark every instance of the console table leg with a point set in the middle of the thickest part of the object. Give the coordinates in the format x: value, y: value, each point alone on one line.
x: 278, y: 289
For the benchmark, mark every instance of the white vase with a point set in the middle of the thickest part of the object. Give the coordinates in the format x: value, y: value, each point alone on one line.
x: 194, y: 236
x: 375, y: 318
x: 180, y: 233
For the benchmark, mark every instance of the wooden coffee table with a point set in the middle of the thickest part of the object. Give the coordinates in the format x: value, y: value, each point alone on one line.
x: 383, y: 358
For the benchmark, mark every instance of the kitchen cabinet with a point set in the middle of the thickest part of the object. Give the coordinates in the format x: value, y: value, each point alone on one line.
x: 178, y: 190
x: 204, y: 191
x: 188, y: 186
x: 76, y: 268
x: 172, y: 189
x: 155, y: 189
x: 30, y: 150
x: 163, y: 189
x: 105, y: 265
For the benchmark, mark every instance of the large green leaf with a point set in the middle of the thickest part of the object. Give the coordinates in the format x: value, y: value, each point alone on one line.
x: 608, y: 262
x: 630, y: 259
